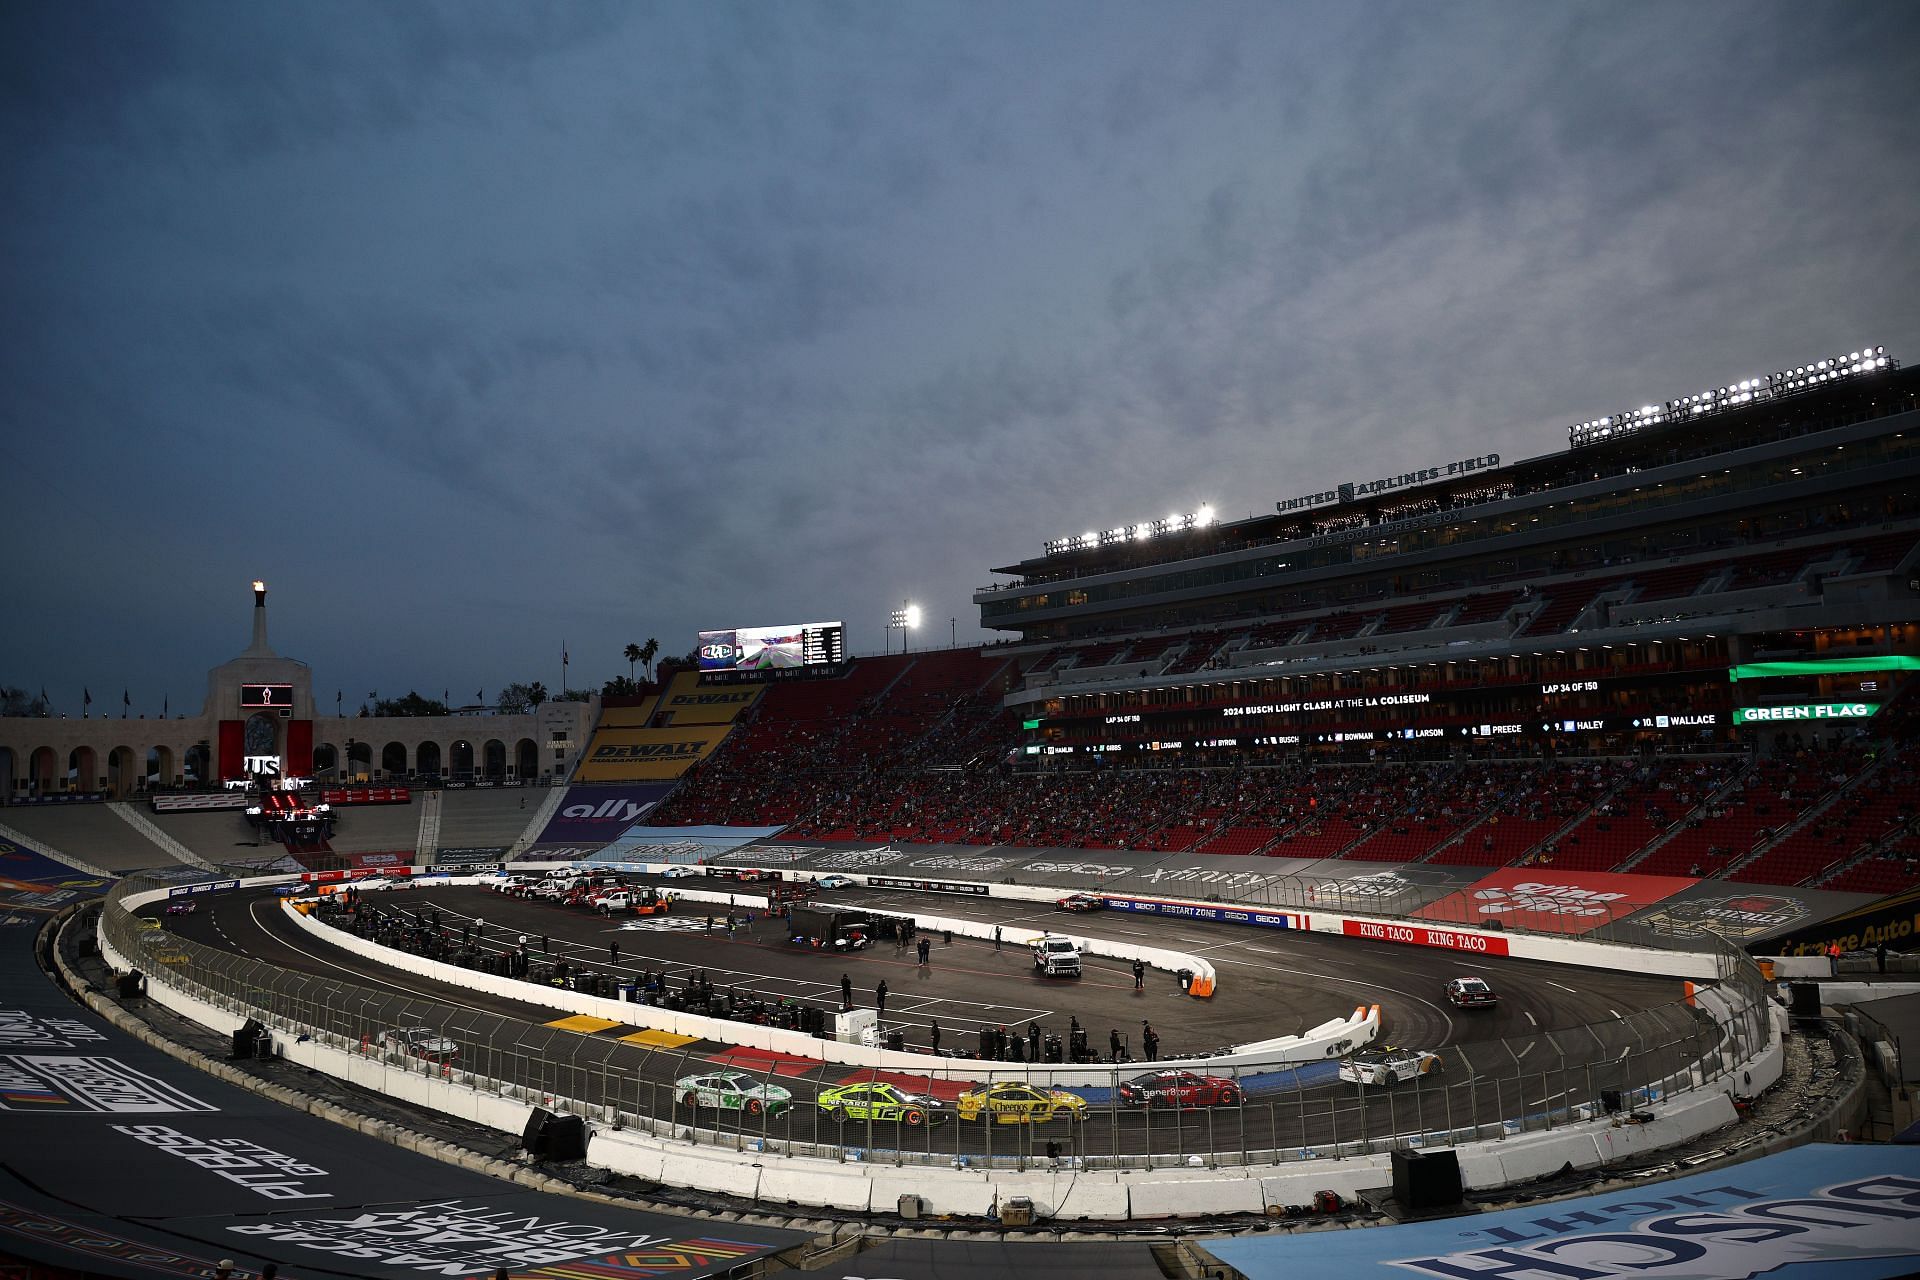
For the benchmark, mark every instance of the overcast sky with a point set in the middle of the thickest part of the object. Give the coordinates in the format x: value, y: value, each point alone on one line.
x: 473, y: 328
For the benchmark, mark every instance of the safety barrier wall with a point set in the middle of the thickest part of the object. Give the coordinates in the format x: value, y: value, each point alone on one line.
x: 1249, y: 1154
x: 1154, y: 957
x: 1069, y: 1188
x: 1319, y: 1044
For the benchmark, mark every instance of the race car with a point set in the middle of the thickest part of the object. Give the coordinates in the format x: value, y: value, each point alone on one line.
x: 879, y: 1100
x: 1471, y: 993
x: 1388, y: 1066
x: 678, y: 870
x: 834, y: 882
x: 1010, y: 1102
x: 732, y: 1091
x: 1178, y: 1089
x: 186, y: 908
x: 1081, y: 902
x: 421, y: 1042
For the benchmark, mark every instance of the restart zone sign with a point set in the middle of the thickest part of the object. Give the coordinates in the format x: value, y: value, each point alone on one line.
x: 1199, y: 911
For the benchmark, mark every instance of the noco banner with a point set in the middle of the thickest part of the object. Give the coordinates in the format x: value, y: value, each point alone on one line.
x: 601, y: 815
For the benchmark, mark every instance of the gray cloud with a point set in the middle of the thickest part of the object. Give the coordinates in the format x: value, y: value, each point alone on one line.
x: 603, y: 322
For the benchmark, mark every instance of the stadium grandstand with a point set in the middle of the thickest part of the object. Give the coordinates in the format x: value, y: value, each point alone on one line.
x: 1680, y: 646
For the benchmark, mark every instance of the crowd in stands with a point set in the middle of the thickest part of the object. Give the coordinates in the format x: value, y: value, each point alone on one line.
x: 925, y: 753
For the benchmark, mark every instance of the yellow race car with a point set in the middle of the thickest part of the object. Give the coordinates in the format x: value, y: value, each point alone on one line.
x: 1010, y: 1102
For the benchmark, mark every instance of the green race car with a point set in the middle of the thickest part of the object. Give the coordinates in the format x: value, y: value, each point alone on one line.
x: 732, y: 1091
x: 878, y: 1100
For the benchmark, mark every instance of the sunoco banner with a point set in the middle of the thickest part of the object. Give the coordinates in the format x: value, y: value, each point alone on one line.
x: 1809, y: 1214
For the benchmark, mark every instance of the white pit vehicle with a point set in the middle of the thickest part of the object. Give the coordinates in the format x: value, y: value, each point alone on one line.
x: 1056, y: 957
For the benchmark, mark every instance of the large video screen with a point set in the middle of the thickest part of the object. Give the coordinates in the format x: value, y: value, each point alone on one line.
x: 803, y: 644
x: 266, y: 695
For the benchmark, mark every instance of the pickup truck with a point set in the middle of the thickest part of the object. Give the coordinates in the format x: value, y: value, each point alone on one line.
x: 1056, y: 957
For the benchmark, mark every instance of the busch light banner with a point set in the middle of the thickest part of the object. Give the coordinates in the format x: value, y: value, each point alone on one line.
x: 601, y: 815
x: 1812, y: 1213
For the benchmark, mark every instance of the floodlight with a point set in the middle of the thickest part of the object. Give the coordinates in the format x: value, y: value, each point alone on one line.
x: 1204, y: 516
x: 913, y: 615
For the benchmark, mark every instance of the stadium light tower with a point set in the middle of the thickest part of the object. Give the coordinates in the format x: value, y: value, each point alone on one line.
x: 906, y: 618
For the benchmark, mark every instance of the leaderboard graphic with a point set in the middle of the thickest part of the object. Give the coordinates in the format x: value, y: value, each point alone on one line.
x: 799, y: 644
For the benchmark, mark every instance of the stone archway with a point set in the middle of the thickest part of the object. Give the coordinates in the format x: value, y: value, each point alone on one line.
x: 160, y: 771
x: 326, y: 762
x: 9, y: 775
x: 493, y: 760
x: 197, y: 767
x: 460, y: 759
x: 43, y: 769
x: 359, y: 759
x: 83, y: 770
x: 393, y: 760
x: 526, y: 755
x: 427, y: 759
x: 121, y: 779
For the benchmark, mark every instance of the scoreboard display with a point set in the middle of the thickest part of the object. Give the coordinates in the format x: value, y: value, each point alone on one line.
x: 802, y: 644
x: 266, y: 697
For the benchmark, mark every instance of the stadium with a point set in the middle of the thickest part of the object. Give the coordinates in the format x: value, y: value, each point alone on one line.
x: 1479, y: 833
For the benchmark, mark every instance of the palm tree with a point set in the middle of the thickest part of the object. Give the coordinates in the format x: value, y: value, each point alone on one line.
x: 634, y: 654
x: 647, y: 652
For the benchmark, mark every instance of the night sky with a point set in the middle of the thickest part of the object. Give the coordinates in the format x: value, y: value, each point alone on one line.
x: 476, y: 328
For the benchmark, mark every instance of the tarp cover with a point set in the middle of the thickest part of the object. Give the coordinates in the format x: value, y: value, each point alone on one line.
x: 123, y: 1162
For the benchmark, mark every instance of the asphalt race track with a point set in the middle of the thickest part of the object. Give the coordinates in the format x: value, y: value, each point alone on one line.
x: 117, y: 1160
x: 1271, y: 983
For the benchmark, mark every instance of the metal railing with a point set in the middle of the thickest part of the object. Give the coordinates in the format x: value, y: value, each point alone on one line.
x: 648, y: 1081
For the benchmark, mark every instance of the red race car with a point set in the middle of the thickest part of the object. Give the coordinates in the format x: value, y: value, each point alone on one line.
x: 1080, y: 902
x: 1178, y: 1089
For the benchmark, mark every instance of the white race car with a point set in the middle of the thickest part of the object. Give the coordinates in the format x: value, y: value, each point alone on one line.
x: 732, y: 1091
x: 1389, y: 1066
x: 679, y: 870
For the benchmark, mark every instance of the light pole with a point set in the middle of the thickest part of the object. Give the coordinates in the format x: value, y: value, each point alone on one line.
x: 905, y: 618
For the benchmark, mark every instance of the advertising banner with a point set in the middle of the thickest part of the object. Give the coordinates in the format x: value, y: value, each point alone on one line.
x: 598, y: 816
x: 1195, y: 911
x: 1541, y: 900
x: 1421, y: 936
x: 366, y: 795
x: 1891, y: 921
x: 632, y: 755
x: 1812, y: 1213
x: 195, y: 804
x: 470, y: 856
x: 1743, y: 914
x: 686, y: 702
x: 929, y: 886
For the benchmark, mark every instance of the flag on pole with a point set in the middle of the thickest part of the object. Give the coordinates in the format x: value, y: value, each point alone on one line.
x: 166, y: 706
x: 86, y: 700
x: 126, y: 702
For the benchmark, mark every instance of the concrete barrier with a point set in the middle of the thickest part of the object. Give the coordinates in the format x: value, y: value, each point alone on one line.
x: 1069, y: 1193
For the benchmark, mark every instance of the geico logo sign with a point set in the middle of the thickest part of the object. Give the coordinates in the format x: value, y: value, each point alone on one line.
x: 717, y: 652
x: 708, y: 699
x: 611, y: 810
x: 648, y: 751
x: 1547, y: 899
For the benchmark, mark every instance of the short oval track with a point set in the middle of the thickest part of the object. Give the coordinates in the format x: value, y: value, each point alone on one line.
x: 1272, y: 982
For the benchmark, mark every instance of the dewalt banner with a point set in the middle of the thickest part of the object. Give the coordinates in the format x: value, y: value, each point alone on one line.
x: 687, y: 701
x: 634, y: 755
x: 629, y: 717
